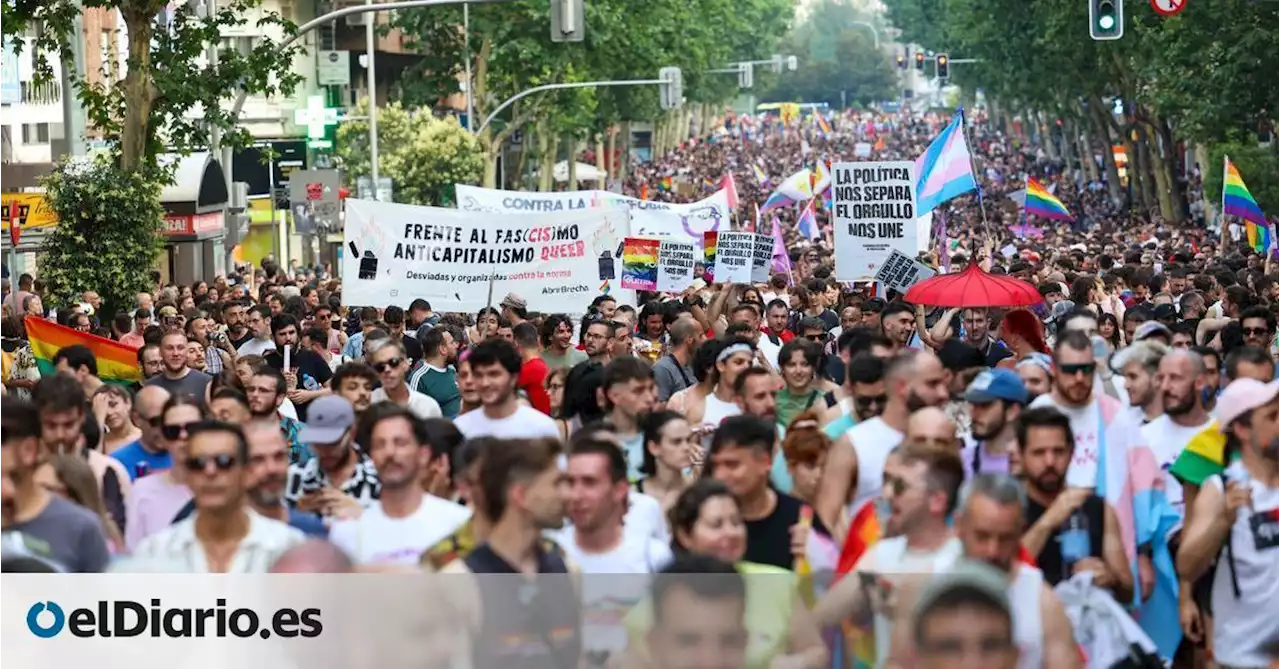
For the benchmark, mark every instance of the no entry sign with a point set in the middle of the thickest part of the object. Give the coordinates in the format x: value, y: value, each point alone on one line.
x: 1168, y: 7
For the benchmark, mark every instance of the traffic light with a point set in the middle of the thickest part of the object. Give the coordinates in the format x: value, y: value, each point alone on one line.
x: 746, y: 74
x: 1106, y: 19
x: 920, y: 60
x: 671, y: 90
x: 942, y: 66
x: 902, y: 62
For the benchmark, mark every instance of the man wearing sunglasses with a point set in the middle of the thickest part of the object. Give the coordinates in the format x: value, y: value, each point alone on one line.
x: 389, y: 360
x: 1257, y: 325
x: 224, y: 535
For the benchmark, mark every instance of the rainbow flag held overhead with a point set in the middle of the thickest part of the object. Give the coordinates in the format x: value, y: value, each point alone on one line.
x: 1238, y: 201
x: 823, y: 125
x: 708, y: 183
x: 1042, y: 203
x: 664, y: 184
x: 117, y: 363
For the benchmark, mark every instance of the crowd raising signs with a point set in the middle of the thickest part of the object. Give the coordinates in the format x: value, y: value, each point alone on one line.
x: 874, y: 214
x: 395, y: 253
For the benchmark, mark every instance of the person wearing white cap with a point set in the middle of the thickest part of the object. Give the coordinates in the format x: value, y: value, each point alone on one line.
x: 1237, y: 510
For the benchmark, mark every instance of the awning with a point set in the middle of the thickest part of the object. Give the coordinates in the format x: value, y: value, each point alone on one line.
x: 196, y: 202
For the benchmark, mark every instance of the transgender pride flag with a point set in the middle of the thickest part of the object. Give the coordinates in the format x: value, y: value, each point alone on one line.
x: 945, y: 170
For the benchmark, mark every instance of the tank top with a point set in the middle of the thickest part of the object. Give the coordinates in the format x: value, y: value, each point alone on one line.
x: 891, y: 556
x: 872, y: 441
x: 1028, y: 628
x: 713, y: 414
x: 535, y: 623
x: 1245, y: 582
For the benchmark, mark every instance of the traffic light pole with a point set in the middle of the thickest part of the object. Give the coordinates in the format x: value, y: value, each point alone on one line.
x: 559, y: 87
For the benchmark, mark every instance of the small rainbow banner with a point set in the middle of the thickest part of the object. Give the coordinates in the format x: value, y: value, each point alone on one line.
x: 117, y: 363
x: 1042, y: 203
x: 864, y: 530
x: 664, y: 184
x: 823, y: 125
x: 1238, y: 201
x: 709, y: 241
x: 640, y: 263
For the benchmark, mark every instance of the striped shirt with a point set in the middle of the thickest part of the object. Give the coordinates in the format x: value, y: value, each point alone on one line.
x: 363, y: 485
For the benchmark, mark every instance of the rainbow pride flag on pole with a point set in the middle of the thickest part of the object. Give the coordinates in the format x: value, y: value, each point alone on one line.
x: 1042, y: 203
x: 117, y: 363
x: 1238, y: 201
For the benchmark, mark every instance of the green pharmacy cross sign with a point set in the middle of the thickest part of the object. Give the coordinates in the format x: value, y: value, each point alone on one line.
x: 317, y: 118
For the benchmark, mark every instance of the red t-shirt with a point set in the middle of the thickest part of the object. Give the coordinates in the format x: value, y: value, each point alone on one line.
x: 532, y: 379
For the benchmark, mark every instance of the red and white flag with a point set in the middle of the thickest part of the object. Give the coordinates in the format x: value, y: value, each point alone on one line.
x: 731, y: 189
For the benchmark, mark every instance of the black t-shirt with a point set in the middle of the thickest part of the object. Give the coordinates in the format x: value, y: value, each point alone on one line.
x: 313, y: 372
x: 1050, y: 559
x: 412, y: 348
x: 535, y: 623
x: 769, y: 538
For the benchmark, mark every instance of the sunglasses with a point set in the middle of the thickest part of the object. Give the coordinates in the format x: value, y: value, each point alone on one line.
x: 389, y: 364
x: 1085, y: 368
x: 816, y: 338
x: 175, y: 431
x: 1254, y: 331
x: 865, y: 401
x: 222, y: 462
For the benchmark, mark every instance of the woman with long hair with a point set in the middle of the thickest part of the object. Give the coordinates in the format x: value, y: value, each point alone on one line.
x: 1110, y: 330
x: 112, y: 406
x: 669, y: 451
x: 554, y: 383
x: 1023, y: 333
x: 71, y: 478
x: 706, y: 520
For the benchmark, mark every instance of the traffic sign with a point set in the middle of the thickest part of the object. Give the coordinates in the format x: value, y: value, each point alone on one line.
x: 1168, y: 7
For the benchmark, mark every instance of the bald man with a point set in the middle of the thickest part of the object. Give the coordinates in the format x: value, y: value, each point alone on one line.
x: 930, y: 426
x: 1182, y: 392
x: 313, y: 556
x: 855, y: 467
x: 150, y: 453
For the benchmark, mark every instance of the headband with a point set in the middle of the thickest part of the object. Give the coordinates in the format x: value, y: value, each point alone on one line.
x: 733, y: 349
x: 1038, y: 360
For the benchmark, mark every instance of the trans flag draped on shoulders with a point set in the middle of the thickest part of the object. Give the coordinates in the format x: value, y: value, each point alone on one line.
x: 1129, y: 478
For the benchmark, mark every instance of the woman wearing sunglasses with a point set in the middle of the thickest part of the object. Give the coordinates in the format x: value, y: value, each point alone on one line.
x: 72, y: 479
x: 157, y: 499
x: 706, y: 520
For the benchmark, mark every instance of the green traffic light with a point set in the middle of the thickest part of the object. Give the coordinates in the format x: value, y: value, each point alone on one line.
x: 1107, y: 22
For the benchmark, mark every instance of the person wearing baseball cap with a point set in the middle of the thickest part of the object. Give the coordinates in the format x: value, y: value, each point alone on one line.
x: 1238, y: 509
x: 996, y: 398
x: 338, y: 464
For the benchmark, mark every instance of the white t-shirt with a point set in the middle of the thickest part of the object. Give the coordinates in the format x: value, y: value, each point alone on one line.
x: 644, y: 517
x: 636, y: 554
x: 256, y: 347
x: 892, y: 557
x: 872, y: 440
x: 525, y: 423
x: 1166, y: 439
x: 1085, y: 420
x: 420, y: 405
x: 375, y: 538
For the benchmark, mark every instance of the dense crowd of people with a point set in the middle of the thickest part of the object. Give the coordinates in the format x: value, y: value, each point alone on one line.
x: 807, y: 470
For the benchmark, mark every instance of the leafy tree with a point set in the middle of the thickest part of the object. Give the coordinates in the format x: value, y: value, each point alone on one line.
x: 170, y: 99
x: 424, y: 156
x: 108, y: 219
x: 838, y: 60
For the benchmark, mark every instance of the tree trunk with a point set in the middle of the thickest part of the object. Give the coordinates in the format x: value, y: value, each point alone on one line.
x: 1103, y: 129
x: 571, y: 160
x: 600, y: 162
x: 1086, y: 150
x: 139, y: 91
x: 1167, y: 165
x: 546, y: 155
x: 1046, y: 136
x: 614, y: 167
x: 1202, y: 161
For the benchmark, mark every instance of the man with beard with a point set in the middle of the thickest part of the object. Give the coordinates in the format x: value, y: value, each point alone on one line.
x: 597, y: 339
x: 996, y: 398
x: 865, y: 393
x: 354, y: 382
x: 405, y: 521
x: 434, y: 375
x: 495, y: 364
x: 177, y: 377
x: 306, y: 374
x: 267, y: 474
x: 976, y: 322
x: 339, y: 478
x: 923, y: 495
x: 898, y: 323
x: 855, y: 464
x: 558, y: 350
x: 989, y: 525
x: 59, y: 530
x: 1140, y: 364
x: 1182, y: 392
x: 1069, y: 531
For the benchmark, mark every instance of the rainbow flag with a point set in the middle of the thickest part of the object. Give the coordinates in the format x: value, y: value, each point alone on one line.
x: 117, y: 363
x: 1202, y: 457
x: 1238, y: 201
x: 664, y: 184
x: 1042, y: 203
x: 823, y: 125
x: 708, y: 184
x: 864, y: 530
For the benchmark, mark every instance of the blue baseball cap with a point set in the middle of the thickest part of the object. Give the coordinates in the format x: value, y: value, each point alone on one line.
x: 997, y: 384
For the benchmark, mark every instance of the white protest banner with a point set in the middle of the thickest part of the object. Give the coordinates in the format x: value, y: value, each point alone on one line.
x: 676, y: 260
x: 399, y: 252
x: 862, y: 150
x: 901, y: 272
x: 761, y: 259
x: 735, y: 255
x: 873, y: 215
x: 648, y: 218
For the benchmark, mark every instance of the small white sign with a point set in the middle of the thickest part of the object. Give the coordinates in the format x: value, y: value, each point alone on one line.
x: 901, y: 272
x: 333, y: 68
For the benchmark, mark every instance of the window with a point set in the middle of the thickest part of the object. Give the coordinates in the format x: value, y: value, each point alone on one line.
x: 45, y: 93
x: 107, y: 54
x: 35, y: 133
x: 241, y: 44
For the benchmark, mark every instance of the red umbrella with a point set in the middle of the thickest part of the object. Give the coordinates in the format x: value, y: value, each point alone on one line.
x: 973, y: 288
